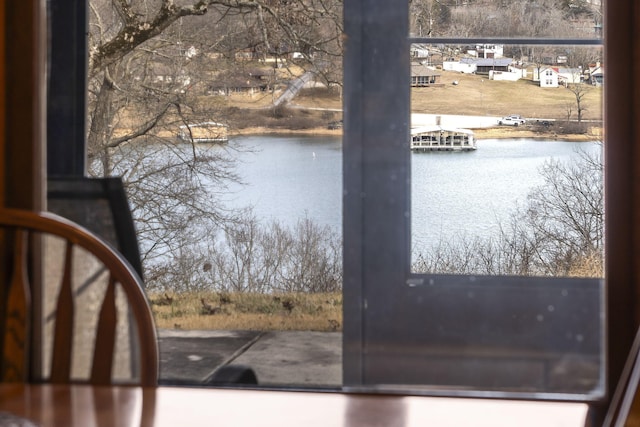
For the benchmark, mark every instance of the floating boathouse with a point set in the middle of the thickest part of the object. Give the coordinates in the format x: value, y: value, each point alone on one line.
x: 438, y: 138
x: 204, y: 132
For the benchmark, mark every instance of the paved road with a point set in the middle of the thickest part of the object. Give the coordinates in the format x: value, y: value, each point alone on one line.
x: 449, y: 120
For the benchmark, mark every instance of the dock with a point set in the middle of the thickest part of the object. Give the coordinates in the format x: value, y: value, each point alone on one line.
x: 438, y: 138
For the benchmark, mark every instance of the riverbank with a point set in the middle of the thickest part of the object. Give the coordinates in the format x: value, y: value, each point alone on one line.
x: 280, y: 131
x: 498, y: 132
x: 504, y: 132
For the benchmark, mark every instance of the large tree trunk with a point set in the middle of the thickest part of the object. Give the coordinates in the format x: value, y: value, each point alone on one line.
x: 101, y: 129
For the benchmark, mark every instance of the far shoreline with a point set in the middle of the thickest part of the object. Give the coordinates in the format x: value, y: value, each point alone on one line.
x: 595, y: 134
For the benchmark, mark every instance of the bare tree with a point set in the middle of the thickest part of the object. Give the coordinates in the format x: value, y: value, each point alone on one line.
x: 565, y: 215
x: 579, y: 91
x: 493, y: 18
x: 429, y: 17
x: 569, y: 109
x: 250, y: 257
x: 152, y: 66
x: 558, y: 231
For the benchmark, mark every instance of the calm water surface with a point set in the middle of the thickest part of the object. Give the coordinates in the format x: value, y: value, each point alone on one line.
x: 453, y: 194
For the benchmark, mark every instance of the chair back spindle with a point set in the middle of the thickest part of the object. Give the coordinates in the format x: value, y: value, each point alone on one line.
x: 16, y: 339
x: 121, y: 276
x: 65, y: 316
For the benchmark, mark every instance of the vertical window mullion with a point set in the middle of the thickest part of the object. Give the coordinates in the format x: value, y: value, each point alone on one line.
x: 376, y: 166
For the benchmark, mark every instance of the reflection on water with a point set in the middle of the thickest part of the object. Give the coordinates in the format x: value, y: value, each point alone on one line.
x: 289, y: 177
x: 453, y: 194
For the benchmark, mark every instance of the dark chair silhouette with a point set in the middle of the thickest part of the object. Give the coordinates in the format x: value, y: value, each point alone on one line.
x: 22, y: 230
x: 99, y: 205
x: 233, y: 375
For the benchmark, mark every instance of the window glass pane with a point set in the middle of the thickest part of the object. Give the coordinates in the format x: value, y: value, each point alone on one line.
x: 506, y: 160
x: 463, y: 318
x: 506, y: 180
x: 240, y: 227
x: 510, y: 18
x: 225, y: 126
x: 488, y: 335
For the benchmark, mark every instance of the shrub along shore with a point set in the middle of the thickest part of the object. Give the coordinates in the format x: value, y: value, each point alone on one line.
x: 498, y: 132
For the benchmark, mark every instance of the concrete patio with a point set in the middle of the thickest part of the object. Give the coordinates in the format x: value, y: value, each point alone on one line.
x: 279, y: 358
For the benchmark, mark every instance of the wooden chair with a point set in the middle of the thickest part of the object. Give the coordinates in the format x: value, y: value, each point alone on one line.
x: 21, y: 230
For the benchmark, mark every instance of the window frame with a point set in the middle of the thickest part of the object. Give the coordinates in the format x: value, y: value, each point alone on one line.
x: 622, y: 109
x: 376, y: 174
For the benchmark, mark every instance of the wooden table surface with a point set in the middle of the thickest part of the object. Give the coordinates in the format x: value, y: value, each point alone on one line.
x: 86, y: 406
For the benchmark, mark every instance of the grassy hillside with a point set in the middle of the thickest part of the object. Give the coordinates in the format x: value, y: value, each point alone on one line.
x: 477, y: 95
x: 248, y: 311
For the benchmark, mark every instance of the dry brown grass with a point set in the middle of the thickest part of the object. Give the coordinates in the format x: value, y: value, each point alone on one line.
x: 592, y: 134
x: 477, y: 95
x: 473, y: 95
x: 248, y: 311
x: 588, y: 266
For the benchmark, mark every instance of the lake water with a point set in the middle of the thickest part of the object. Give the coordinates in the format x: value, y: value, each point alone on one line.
x: 453, y: 194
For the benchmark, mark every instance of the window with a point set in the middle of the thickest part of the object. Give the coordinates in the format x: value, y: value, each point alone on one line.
x: 377, y: 277
x: 442, y: 333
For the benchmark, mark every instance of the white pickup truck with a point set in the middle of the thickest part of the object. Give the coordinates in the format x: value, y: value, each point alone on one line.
x: 512, y: 120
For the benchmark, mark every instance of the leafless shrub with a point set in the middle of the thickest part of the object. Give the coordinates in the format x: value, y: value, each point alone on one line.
x: 250, y: 257
x: 570, y: 127
x: 306, y: 258
x: 558, y: 232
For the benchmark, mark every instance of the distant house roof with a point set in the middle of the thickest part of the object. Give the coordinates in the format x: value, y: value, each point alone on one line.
x: 436, y: 128
x: 554, y: 69
x: 494, y: 62
x: 566, y: 70
x: 487, y: 62
x: 422, y: 70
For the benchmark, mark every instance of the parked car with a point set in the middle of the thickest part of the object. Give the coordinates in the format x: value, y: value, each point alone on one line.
x: 512, y: 120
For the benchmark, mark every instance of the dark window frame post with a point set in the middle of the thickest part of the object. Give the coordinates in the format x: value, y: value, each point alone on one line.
x: 67, y: 87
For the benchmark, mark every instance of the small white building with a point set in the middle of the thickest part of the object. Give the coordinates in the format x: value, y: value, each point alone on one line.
x: 548, y: 77
x: 509, y: 76
x: 460, y: 67
x: 487, y: 51
x: 567, y: 76
x: 419, y: 51
x: 438, y: 138
x: 596, y: 75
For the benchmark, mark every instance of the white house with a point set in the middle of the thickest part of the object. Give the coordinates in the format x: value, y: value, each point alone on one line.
x: 514, y: 74
x: 419, y: 51
x: 487, y: 51
x: 567, y: 76
x: 548, y: 77
x: 460, y: 67
x: 596, y: 74
x: 421, y: 75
